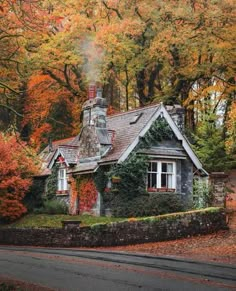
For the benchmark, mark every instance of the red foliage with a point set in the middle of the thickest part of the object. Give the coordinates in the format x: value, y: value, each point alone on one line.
x: 16, y: 167
x: 111, y: 110
x: 87, y: 195
x: 73, y: 197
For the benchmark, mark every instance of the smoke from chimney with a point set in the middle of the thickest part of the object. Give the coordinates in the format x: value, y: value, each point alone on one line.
x: 93, y: 57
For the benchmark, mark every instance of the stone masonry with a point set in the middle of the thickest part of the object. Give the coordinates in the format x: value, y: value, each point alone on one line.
x: 166, y: 227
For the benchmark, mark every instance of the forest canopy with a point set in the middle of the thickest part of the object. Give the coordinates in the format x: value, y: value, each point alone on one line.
x: 140, y: 51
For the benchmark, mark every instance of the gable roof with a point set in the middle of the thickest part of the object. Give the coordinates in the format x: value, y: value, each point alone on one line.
x: 127, y: 128
x: 46, y: 155
x: 126, y: 131
x: 160, y: 110
x: 68, y: 152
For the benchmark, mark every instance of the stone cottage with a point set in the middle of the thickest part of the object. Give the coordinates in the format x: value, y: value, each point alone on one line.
x: 105, y: 141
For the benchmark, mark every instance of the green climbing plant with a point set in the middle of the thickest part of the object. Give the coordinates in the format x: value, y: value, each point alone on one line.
x: 52, y: 183
x: 159, y: 131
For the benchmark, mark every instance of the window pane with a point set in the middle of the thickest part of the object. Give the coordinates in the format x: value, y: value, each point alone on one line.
x: 60, y: 184
x: 170, y: 168
x: 163, y: 181
x: 154, y: 181
x: 154, y: 167
x: 61, y: 173
x: 149, y: 167
x: 65, y: 184
x: 169, y: 181
x: 164, y: 167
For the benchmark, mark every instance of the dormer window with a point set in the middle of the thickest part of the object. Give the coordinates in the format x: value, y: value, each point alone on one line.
x: 62, y: 180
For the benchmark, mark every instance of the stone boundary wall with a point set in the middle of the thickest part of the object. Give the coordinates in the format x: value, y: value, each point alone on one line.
x: 153, y: 229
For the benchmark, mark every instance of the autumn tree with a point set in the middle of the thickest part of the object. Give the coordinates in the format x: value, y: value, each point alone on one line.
x: 16, y: 169
x: 170, y: 51
x: 231, y: 130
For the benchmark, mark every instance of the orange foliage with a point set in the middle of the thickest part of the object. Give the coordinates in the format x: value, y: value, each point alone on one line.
x: 87, y: 194
x: 111, y: 110
x: 73, y: 197
x: 16, y: 169
x: 44, y: 95
x: 231, y: 126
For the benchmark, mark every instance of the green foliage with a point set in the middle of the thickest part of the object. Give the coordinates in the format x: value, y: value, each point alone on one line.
x: 147, y: 205
x: 100, y: 180
x: 132, y: 174
x: 52, y: 182
x: 202, y: 193
x: 209, y: 145
x: 159, y: 131
x: 34, y: 197
x: 53, y: 206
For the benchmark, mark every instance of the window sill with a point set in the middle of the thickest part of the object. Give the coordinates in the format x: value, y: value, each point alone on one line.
x: 161, y: 190
x: 62, y: 192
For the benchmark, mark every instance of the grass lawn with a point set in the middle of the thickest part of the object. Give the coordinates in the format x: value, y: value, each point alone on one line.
x: 45, y: 220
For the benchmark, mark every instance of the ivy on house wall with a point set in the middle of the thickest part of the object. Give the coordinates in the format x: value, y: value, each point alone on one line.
x: 101, y: 179
x: 129, y: 197
x: 159, y: 131
x: 51, y: 182
x: 132, y: 174
x: 87, y: 193
x: 130, y: 183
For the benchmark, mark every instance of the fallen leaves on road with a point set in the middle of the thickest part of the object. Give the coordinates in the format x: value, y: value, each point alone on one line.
x: 10, y: 284
x: 218, y: 247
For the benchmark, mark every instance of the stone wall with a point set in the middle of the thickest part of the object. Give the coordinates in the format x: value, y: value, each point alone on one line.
x: 160, y: 228
x: 218, y: 182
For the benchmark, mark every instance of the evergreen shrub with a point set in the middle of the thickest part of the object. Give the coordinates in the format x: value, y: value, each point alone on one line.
x: 34, y: 197
x: 53, y: 206
x: 147, y: 205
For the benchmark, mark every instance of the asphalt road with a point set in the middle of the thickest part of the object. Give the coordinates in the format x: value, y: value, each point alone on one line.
x: 82, y: 270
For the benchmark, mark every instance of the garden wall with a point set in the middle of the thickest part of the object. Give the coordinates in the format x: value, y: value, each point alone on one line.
x: 152, y: 229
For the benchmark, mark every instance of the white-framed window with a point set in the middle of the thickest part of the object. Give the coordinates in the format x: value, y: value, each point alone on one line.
x: 62, y: 181
x: 161, y: 176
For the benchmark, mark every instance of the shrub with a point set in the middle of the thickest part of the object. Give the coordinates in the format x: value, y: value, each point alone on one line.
x: 17, y: 165
x: 146, y: 205
x: 202, y: 194
x: 34, y: 197
x: 53, y: 207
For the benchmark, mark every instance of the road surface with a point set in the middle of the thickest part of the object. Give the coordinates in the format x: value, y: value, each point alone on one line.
x: 82, y: 270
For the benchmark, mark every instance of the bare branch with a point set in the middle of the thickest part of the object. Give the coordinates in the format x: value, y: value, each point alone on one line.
x: 60, y: 81
x: 113, y: 9
x: 11, y: 109
x: 2, y: 85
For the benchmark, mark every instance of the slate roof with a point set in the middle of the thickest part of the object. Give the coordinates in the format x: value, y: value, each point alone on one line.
x: 123, y: 129
x: 69, y: 152
x: 125, y: 133
x: 84, y: 168
x: 46, y: 155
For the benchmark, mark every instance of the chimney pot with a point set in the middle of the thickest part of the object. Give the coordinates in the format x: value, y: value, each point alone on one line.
x: 92, y: 91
